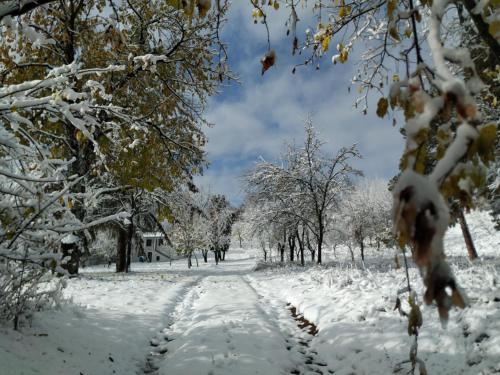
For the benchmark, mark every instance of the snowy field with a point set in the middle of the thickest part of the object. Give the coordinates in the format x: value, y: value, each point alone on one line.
x: 230, y: 319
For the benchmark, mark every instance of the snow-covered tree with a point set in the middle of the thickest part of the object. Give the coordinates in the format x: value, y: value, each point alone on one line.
x: 221, y: 217
x: 84, y: 101
x: 305, y: 185
x: 191, y: 225
x: 167, y: 61
x: 37, y: 187
x: 366, y: 213
x: 257, y: 226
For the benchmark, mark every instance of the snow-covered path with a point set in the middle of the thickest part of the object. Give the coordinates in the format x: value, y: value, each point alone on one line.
x: 214, y: 320
x: 221, y: 328
x: 226, y: 324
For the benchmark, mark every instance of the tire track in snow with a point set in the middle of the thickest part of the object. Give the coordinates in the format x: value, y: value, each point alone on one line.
x: 183, y: 302
x: 220, y: 327
x: 298, y: 339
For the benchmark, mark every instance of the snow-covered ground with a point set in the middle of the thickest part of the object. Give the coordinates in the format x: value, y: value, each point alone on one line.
x: 230, y: 319
x: 105, y: 330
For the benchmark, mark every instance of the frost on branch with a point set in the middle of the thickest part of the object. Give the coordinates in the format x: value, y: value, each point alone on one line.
x: 421, y: 219
x: 36, y: 184
x: 443, y: 121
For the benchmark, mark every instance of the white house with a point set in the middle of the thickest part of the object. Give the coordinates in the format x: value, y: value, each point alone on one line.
x: 156, y: 248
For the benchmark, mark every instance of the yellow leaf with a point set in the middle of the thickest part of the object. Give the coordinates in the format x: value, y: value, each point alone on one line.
x: 494, y: 29
x: 325, y: 43
x: 344, y: 55
x: 421, y: 161
x: 393, y: 32
x: 402, y: 240
x: 391, y: 6
x: 415, y: 318
x: 177, y: 4
x: 344, y: 11
x: 203, y: 7
x: 79, y: 136
x: 486, y: 142
x: 382, y: 106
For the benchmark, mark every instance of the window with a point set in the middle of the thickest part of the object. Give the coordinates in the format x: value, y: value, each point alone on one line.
x: 157, y: 258
x: 149, y: 242
x: 160, y: 242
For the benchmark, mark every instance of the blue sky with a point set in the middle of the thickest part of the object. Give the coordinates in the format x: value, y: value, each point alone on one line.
x: 255, y: 118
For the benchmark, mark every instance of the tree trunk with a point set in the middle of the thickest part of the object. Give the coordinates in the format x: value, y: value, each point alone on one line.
x: 483, y: 29
x: 311, y: 250
x: 291, y: 245
x: 320, y: 236
x: 121, y: 250
x: 320, y: 244
x: 301, y: 246
x: 130, y: 233
x: 281, y: 250
x: 352, y: 252
x: 71, y: 254
x: 471, y: 249
x: 80, y: 165
x: 362, y: 249
x: 205, y: 255
x: 190, y: 263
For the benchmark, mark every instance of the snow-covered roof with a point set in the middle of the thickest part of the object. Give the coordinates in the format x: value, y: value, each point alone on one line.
x: 152, y: 235
x: 69, y: 239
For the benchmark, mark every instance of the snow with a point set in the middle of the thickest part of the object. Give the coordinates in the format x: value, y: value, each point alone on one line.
x: 230, y: 319
x: 222, y: 329
x: 153, y: 235
x: 466, y: 134
x: 105, y: 330
x: 69, y: 239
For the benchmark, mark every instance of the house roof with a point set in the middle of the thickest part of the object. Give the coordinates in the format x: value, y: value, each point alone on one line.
x: 152, y: 235
x: 69, y: 239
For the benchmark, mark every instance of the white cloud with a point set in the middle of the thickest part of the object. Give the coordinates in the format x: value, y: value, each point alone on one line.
x: 257, y: 117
